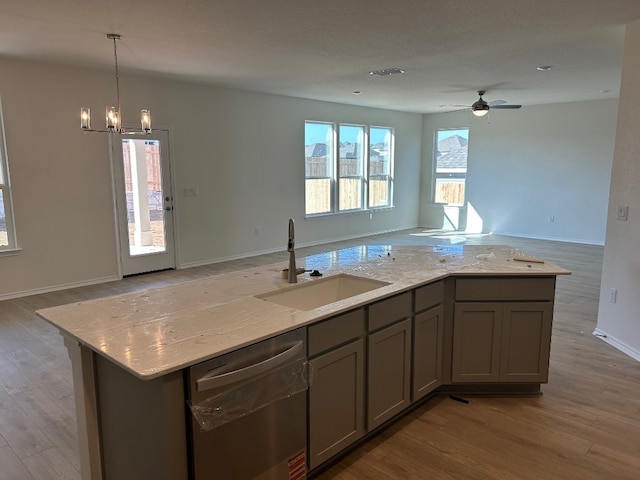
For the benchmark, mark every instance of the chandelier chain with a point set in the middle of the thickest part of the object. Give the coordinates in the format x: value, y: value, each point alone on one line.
x: 115, y: 58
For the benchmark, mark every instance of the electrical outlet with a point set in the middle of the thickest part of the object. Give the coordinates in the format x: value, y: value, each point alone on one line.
x: 613, y: 295
x: 256, y: 230
x: 622, y: 213
x: 552, y: 218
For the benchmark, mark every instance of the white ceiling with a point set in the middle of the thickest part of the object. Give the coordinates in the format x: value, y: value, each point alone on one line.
x: 324, y: 49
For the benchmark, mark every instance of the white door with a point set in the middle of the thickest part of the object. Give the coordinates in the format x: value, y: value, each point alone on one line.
x: 144, y: 202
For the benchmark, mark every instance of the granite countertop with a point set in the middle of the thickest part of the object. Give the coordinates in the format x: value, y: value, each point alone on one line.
x: 158, y: 331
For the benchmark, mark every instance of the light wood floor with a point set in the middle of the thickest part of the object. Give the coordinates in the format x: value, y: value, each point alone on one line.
x: 586, y: 425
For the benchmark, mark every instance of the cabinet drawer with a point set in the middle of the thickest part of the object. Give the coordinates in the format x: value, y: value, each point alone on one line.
x: 335, y: 331
x: 429, y: 296
x: 389, y: 311
x: 505, y: 289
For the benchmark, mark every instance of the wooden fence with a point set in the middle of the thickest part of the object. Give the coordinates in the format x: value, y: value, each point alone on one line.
x: 152, y: 159
x: 451, y: 193
x: 318, y: 194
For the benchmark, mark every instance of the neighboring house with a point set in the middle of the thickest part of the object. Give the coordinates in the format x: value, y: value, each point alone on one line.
x: 453, y: 161
x: 316, y: 164
x: 315, y: 150
x: 452, y: 143
x: 451, y: 170
x: 349, y: 150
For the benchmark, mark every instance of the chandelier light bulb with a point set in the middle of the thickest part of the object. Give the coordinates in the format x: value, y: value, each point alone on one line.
x: 85, y: 118
x: 112, y: 119
x: 145, y: 120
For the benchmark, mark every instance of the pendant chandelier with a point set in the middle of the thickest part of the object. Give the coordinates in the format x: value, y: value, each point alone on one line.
x: 113, y: 115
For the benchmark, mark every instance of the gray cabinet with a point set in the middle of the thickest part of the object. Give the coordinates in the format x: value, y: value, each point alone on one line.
x: 368, y: 365
x: 427, y: 339
x: 388, y: 359
x: 476, y: 342
x: 526, y: 342
x: 388, y: 374
x: 427, y: 352
x: 336, y: 393
x: 501, y: 339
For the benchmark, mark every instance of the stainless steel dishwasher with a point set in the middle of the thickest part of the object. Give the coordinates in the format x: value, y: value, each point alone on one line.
x: 248, y: 409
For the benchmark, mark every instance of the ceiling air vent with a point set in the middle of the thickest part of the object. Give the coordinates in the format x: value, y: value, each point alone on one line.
x: 386, y: 71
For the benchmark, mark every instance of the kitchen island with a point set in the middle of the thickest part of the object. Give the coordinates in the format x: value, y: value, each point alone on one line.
x: 129, y: 352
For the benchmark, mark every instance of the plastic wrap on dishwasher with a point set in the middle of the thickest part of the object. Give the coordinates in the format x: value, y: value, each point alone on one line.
x: 251, y: 395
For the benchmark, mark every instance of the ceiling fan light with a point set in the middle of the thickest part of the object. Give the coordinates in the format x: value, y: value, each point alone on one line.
x: 480, y: 108
x: 480, y: 113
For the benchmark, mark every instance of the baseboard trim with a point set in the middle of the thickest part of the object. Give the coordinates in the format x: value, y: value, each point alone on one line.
x: 617, y: 344
x: 212, y: 261
x: 553, y: 239
x: 55, y: 288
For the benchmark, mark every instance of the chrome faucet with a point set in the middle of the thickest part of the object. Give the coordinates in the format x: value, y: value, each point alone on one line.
x: 293, y: 274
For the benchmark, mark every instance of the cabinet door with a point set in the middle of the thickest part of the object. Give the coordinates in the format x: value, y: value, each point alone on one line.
x: 336, y: 401
x: 427, y: 352
x: 476, y: 342
x: 526, y: 341
x: 388, y: 374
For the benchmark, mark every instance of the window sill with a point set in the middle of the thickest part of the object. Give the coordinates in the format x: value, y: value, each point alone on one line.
x: 379, y: 209
x: 10, y: 252
x: 367, y: 211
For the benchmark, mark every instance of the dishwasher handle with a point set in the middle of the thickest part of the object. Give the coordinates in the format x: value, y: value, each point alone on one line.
x: 209, y: 382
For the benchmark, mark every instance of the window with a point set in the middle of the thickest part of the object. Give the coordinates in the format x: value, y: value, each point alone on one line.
x: 318, y: 168
x: 450, y: 166
x: 7, y: 231
x: 380, y: 168
x: 351, y: 167
x: 347, y: 167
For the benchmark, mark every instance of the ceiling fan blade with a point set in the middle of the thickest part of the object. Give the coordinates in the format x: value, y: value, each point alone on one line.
x: 497, y: 102
x: 457, y: 109
x: 506, y: 107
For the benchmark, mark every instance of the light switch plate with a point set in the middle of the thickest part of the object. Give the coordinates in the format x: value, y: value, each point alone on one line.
x: 622, y: 213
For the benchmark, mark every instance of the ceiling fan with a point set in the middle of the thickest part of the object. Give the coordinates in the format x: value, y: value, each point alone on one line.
x: 480, y: 108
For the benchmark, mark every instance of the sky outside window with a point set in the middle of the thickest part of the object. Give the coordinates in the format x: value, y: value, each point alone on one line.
x: 317, y: 133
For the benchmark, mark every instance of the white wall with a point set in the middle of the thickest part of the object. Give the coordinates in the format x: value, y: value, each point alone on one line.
x: 242, y: 151
x: 620, y: 322
x: 530, y: 164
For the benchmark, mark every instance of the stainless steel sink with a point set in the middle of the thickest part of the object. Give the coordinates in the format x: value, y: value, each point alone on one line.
x: 321, y: 292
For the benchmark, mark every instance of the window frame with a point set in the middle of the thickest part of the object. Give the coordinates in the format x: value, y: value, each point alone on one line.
x: 389, y: 175
x: 331, y: 172
x: 5, y: 189
x: 363, y: 175
x: 451, y: 175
